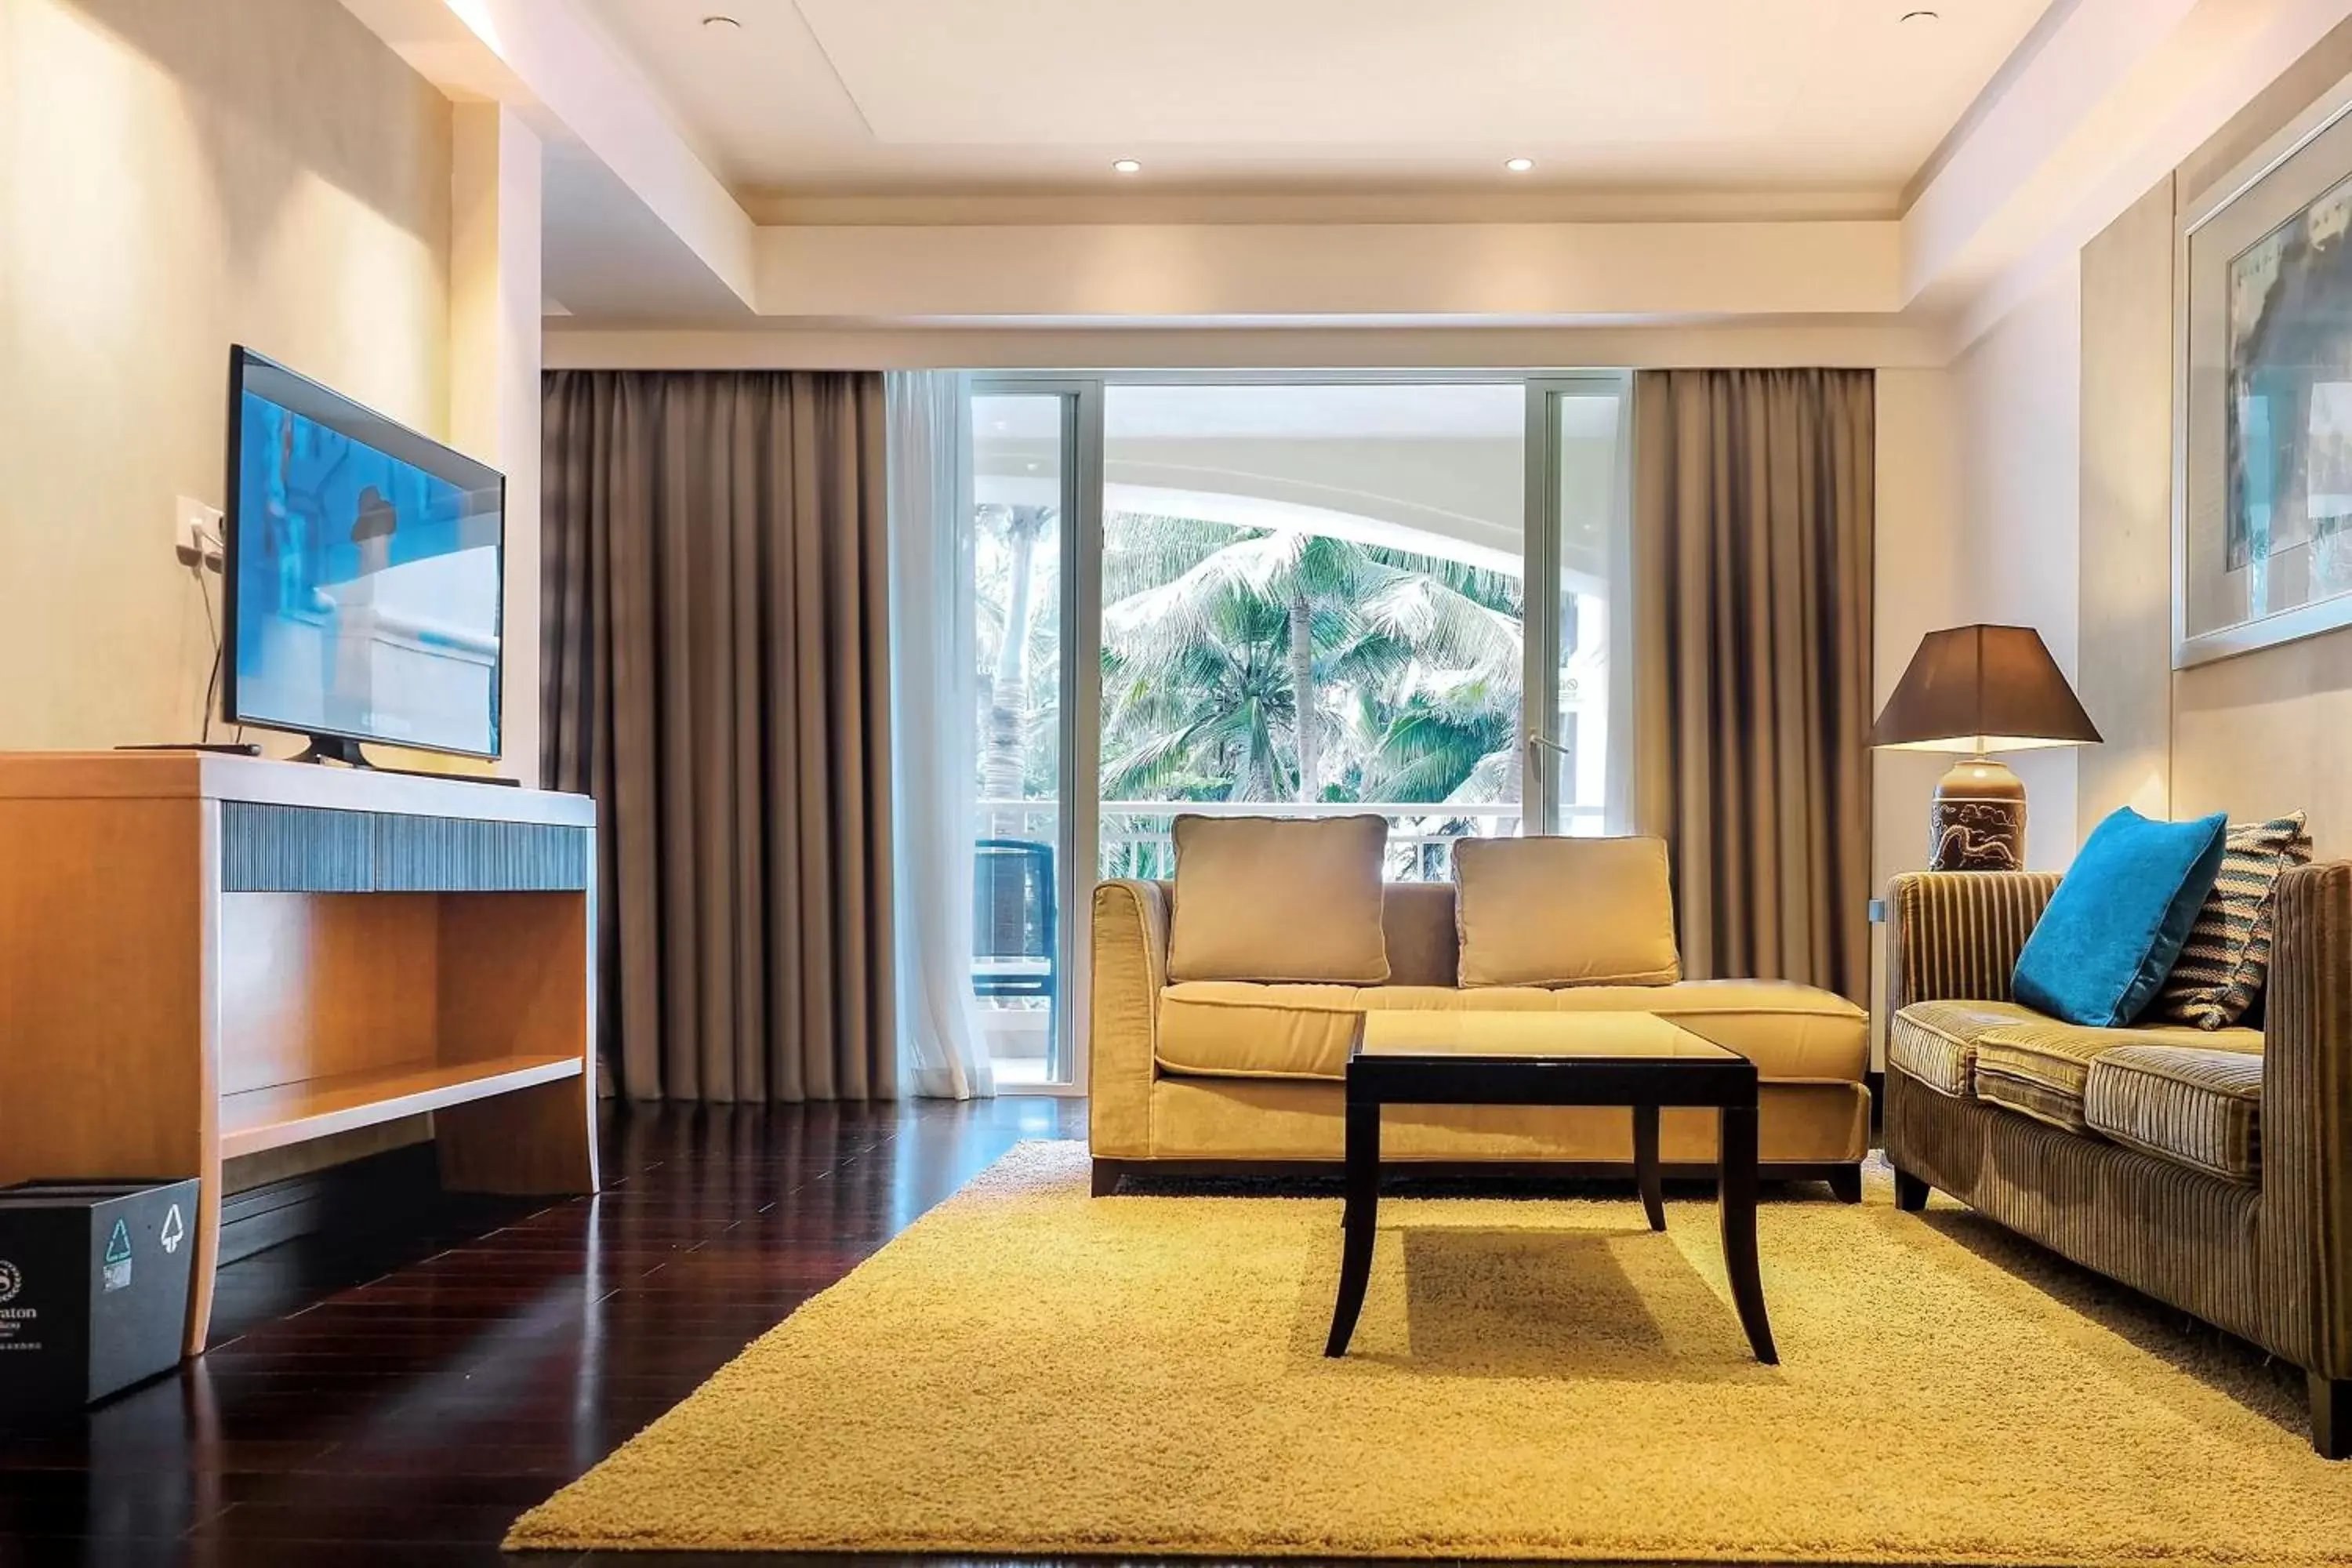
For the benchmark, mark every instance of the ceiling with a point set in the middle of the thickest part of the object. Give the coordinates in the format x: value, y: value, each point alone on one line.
x: 933, y: 97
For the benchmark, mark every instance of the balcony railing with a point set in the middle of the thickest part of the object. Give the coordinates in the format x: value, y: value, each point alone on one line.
x: 1134, y: 842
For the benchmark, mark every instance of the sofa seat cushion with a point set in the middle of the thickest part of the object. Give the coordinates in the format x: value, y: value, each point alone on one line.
x: 2197, y: 1106
x: 1935, y: 1042
x: 2041, y: 1067
x: 1239, y: 1029
x: 1236, y: 1028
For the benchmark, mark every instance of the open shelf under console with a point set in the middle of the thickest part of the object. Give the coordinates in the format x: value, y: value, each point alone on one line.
x: 259, y: 1120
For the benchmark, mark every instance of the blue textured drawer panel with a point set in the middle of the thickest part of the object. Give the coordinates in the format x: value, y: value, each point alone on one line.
x: 304, y: 849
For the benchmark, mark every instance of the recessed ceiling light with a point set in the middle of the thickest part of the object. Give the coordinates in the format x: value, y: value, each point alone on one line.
x: 1518, y: 165
x: 1125, y: 166
x: 722, y: 21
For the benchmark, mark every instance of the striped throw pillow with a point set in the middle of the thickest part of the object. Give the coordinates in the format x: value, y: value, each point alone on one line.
x: 2222, y: 967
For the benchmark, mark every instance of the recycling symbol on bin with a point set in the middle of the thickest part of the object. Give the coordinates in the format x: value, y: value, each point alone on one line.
x: 116, y: 1275
x: 173, y: 1229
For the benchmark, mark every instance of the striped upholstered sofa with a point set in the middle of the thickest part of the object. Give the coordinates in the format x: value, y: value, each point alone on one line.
x: 2212, y: 1171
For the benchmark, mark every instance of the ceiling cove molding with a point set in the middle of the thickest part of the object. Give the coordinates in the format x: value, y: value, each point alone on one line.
x: 1303, y: 273
x: 1859, y: 344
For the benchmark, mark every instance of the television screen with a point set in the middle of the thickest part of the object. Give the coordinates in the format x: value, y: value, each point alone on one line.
x: 364, y: 571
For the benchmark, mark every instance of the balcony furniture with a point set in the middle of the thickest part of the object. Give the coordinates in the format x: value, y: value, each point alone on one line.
x: 1214, y: 1077
x: 2209, y: 1168
x: 1611, y: 1060
x: 1014, y: 950
x: 206, y: 957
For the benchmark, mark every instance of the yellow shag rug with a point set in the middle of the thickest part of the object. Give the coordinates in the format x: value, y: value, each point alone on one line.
x: 1029, y: 1369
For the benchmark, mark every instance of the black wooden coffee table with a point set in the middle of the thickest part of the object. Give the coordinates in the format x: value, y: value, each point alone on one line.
x: 1633, y: 1059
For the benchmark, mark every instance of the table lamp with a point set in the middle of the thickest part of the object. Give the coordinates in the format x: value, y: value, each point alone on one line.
x: 1976, y: 690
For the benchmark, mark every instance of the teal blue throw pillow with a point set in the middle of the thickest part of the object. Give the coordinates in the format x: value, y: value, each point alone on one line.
x: 2119, y: 917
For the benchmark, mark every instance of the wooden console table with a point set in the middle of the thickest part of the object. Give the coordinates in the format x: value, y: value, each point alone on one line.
x: 203, y: 957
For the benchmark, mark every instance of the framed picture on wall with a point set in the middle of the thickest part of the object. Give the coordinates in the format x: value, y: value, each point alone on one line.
x: 2263, y: 455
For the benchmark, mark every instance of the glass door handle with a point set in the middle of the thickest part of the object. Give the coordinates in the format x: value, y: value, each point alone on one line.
x: 1546, y: 743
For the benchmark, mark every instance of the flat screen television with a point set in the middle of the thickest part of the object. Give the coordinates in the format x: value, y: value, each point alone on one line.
x: 365, y: 567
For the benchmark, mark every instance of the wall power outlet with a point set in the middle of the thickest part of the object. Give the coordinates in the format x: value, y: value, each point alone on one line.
x: 197, y: 533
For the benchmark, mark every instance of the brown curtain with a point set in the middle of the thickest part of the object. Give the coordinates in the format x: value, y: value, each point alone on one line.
x: 716, y: 646
x: 1752, y: 521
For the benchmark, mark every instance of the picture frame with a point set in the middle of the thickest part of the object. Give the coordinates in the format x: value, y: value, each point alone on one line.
x: 2263, y: 395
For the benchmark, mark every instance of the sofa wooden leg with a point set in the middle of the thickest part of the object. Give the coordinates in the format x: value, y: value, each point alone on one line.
x: 1845, y: 1184
x: 2331, y: 1417
x: 1107, y: 1175
x: 1910, y: 1192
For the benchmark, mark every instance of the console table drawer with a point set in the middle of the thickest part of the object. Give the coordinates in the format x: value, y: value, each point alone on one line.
x: 270, y: 848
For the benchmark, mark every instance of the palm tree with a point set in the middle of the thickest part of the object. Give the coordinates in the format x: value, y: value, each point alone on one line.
x: 1394, y: 675
x: 1007, y: 719
x: 1202, y: 722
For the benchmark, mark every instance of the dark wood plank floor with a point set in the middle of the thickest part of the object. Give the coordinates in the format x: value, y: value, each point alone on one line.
x: 400, y: 1398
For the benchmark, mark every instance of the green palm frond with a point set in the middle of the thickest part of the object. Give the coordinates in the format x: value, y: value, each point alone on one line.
x: 1411, y: 678
x: 1444, y: 626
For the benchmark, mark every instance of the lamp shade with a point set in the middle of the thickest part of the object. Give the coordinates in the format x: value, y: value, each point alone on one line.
x: 1982, y: 688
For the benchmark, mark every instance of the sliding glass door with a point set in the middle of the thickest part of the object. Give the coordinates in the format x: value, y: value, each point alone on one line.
x: 1027, y: 506
x: 1277, y: 595
x: 1579, y: 688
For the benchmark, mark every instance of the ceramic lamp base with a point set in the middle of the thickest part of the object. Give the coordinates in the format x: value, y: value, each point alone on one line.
x: 1977, y: 821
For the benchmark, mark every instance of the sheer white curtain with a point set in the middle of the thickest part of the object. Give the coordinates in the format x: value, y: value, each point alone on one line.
x: 934, y: 717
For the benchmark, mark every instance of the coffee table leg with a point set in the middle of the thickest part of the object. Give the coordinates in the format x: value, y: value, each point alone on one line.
x: 1645, y: 1165
x: 1737, y: 1148
x: 1359, y: 1222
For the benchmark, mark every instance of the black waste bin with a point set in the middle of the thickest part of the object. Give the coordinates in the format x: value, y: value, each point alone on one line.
x: 93, y: 1287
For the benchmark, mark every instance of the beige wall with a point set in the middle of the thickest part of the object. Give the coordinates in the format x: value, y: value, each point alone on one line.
x: 1976, y: 521
x: 174, y: 177
x: 1920, y: 566
x: 2126, y: 499
x: 2016, y: 405
x: 2255, y: 735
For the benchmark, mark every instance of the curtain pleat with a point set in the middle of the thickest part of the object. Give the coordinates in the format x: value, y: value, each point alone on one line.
x: 717, y: 646
x: 1753, y: 531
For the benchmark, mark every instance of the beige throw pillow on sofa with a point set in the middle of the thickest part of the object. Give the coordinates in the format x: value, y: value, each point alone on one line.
x: 1272, y: 898
x: 1564, y: 911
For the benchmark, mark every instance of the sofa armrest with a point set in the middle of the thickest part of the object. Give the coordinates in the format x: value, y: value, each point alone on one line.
x: 1956, y: 935
x: 1130, y: 965
x: 2306, y: 1118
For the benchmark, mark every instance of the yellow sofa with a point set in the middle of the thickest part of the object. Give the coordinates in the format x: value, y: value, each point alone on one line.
x: 1228, y: 1077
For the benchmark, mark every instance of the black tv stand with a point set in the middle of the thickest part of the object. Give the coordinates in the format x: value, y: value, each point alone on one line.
x: 344, y: 751
x: 333, y: 749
